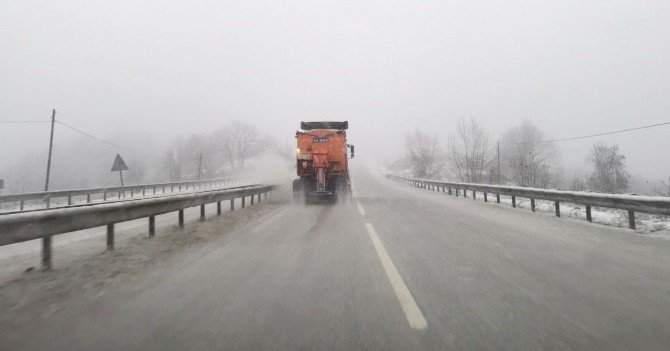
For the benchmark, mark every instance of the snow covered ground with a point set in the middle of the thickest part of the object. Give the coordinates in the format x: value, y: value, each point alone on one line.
x: 647, y: 224
x: 98, y: 198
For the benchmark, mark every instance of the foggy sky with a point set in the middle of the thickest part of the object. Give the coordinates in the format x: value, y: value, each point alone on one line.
x: 168, y: 68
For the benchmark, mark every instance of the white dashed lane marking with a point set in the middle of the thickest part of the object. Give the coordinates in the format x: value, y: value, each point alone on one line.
x: 413, y: 314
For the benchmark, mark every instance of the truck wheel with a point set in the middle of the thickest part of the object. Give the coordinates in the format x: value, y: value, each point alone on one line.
x: 297, y: 188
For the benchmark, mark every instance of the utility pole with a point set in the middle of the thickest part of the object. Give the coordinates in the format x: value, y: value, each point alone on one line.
x: 498, y: 151
x: 46, y: 241
x: 51, y: 143
x: 200, y: 166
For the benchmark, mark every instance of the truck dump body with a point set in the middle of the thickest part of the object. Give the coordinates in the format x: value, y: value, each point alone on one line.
x: 321, y: 160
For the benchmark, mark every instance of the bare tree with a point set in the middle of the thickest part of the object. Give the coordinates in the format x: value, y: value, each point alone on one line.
x: 424, y: 154
x: 577, y: 183
x: 244, y: 137
x: 529, y: 160
x: 469, y: 151
x: 661, y: 188
x: 137, y: 171
x: 170, y: 169
x: 222, y: 146
x: 609, y: 169
x: 235, y: 143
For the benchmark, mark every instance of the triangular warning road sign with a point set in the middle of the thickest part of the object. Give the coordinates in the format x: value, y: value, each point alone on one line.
x: 119, y: 165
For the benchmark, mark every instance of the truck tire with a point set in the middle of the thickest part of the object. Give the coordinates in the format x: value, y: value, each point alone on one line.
x: 297, y: 188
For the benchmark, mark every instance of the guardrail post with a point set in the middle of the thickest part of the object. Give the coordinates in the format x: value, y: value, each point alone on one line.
x: 497, y: 198
x: 110, y: 236
x: 532, y: 205
x: 513, y: 201
x: 243, y: 201
x: 88, y: 198
x: 457, y: 192
x: 557, y: 205
x: 202, y: 211
x: 252, y: 199
x: 259, y: 198
x: 46, y: 253
x: 119, y: 194
x: 181, y: 218
x: 232, y: 205
x: 474, y: 194
x: 588, y: 214
x: 144, y: 191
x: 22, y: 203
x: 69, y: 200
x: 465, y: 192
x: 486, y: 197
x: 218, y: 208
x: 104, y: 196
x: 152, y: 225
x: 631, y: 219
x: 449, y: 190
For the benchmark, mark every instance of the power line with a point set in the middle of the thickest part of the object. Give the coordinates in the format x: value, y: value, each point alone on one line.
x: 607, y: 133
x: 17, y: 121
x: 104, y: 141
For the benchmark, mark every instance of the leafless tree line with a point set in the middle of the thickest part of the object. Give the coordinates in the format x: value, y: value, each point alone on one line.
x: 80, y: 162
x: 218, y: 153
x: 522, y: 157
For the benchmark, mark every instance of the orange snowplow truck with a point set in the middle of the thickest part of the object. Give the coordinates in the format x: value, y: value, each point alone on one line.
x: 322, y: 161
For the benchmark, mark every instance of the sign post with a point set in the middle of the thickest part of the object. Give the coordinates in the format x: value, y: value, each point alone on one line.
x: 119, y: 166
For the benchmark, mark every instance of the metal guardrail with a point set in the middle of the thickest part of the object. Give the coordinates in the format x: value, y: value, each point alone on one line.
x: 47, y: 196
x: 30, y: 225
x: 630, y: 203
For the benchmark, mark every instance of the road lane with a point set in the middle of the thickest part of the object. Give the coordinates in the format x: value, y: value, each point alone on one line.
x: 301, y: 278
x: 490, y: 277
x: 482, y: 276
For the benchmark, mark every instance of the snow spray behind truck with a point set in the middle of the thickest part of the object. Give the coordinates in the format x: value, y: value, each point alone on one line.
x: 322, y: 161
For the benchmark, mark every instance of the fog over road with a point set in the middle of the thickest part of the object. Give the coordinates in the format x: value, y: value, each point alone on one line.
x: 396, y: 268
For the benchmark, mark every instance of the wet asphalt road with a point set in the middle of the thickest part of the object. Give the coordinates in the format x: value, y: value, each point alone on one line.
x: 396, y: 268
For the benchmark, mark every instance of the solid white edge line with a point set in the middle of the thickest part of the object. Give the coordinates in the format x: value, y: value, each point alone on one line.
x: 413, y: 314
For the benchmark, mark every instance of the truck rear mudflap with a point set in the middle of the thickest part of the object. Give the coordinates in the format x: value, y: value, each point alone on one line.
x: 320, y: 197
x: 322, y: 193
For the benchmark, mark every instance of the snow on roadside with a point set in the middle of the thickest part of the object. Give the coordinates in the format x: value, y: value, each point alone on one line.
x: 646, y: 224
